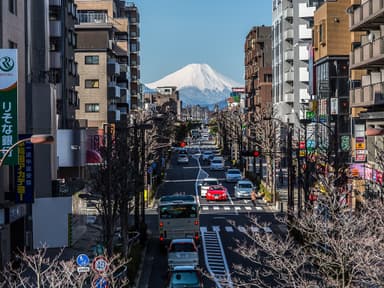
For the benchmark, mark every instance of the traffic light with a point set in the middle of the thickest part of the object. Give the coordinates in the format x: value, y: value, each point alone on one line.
x: 256, y: 153
x: 183, y: 144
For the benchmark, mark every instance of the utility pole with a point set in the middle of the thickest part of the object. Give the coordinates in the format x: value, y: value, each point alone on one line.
x: 299, y: 177
x: 291, y: 183
x: 145, y: 186
x: 136, y: 162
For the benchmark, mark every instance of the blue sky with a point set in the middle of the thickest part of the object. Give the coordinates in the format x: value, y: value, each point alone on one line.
x: 175, y: 33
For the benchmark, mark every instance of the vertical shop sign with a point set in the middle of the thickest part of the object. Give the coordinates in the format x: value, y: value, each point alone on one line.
x: 8, y: 103
x: 24, y: 172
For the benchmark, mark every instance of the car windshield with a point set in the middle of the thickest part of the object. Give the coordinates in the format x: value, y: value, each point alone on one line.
x: 245, y: 185
x: 208, y: 152
x: 210, y: 182
x: 233, y: 172
x: 217, y: 161
x: 182, y: 279
x: 216, y: 187
x: 182, y: 247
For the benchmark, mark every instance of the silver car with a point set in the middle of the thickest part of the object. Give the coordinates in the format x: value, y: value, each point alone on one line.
x: 183, y: 252
x: 182, y: 158
x: 233, y: 175
x: 243, y: 189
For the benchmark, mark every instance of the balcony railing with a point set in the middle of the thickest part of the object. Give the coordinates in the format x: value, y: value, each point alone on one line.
x: 366, y: 15
x: 288, y: 76
x: 371, y: 53
x: 288, y: 34
x: 288, y: 55
x: 93, y: 17
x: 367, y: 96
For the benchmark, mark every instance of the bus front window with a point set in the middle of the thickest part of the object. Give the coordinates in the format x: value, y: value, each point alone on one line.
x: 178, y: 211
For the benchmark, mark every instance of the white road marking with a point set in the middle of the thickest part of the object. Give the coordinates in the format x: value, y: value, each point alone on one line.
x: 216, y: 228
x: 255, y: 229
x: 229, y: 228
x: 216, y: 208
x: 258, y: 208
x: 227, y: 208
x: 203, y: 229
x: 237, y: 208
x: 205, y: 207
x: 248, y: 208
x: 241, y: 229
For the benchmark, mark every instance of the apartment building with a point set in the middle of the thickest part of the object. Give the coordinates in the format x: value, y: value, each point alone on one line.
x: 258, y: 68
x: 291, y: 34
x: 366, y: 94
x: 165, y: 98
x: 108, y: 57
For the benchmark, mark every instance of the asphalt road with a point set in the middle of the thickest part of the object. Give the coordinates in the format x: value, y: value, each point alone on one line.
x: 222, y: 223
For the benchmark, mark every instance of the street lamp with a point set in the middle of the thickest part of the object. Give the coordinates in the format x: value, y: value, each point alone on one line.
x: 34, y: 139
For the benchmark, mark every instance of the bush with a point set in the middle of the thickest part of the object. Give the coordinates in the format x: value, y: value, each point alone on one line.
x: 265, y: 193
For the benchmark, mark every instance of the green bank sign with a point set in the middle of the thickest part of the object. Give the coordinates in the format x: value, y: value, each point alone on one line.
x: 8, y: 103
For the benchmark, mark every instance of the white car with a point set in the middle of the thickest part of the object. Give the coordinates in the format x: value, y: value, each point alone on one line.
x: 217, y: 163
x: 206, y: 155
x: 206, y: 183
x: 182, y: 158
x: 233, y: 175
x: 243, y: 189
x: 182, y: 252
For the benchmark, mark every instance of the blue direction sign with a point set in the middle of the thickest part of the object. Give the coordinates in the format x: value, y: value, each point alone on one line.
x: 150, y: 170
x: 82, y: 260
x: 100, y: 282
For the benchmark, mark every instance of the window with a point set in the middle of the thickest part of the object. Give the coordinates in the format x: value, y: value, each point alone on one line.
x: 92, y: 59
x: 92, y: 83
x: 12, y: 45
x: 12, y: 6
x: 92, y: 107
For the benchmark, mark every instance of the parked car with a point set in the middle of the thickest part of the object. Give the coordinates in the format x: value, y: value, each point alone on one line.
x: 206, y: 183
x: 217, y: 192
x: 206, y: 156
x: 183, y: 252
x: 217, y: 163
x: 233, y: 175
x: 182, y: 158
x: 184, y: 276
x: 243, y: 189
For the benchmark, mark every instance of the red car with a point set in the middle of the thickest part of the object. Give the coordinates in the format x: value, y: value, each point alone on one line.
x: 217, y: 192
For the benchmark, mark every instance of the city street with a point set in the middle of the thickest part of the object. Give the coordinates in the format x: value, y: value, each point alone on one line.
x: 221, y: 225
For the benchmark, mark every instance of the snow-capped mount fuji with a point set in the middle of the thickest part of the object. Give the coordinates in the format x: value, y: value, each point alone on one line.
x: 198, y: 84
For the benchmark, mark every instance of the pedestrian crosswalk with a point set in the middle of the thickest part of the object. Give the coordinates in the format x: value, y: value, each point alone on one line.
x: 240, y: 228
x: 205, y: 209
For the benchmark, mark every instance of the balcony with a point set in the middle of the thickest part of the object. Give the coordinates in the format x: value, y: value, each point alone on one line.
x: 305, y: 11
x: 113, y: 68
x: 367, y: 15
x: 305, y: 32
x: 113, y: 90
x: 288, y: 76
x: 288, y: 13
x: 288, y: 55
x: 55, y: 29
x: 369, y: 55
x: 304, y: 75
x: 303, y: 53
x: 288, y: 35
x: 367, y: 96
x: 289, y: 97
x: 55, y: 60
x: 113, y: 114
x: 56, y: 3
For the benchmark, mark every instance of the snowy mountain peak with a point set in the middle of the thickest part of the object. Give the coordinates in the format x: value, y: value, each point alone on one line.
x: 198, y: 84
x: 200, y: 76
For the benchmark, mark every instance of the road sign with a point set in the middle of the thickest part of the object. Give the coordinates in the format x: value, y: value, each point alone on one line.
x: 100, y: 282
x: 150, y: 170
x: 83, y: 269
x: 82, y: 260
x: 100, y: 264
x: 360, y: 146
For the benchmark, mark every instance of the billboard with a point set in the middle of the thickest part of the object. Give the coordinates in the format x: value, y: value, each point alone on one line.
x: 8, y: 104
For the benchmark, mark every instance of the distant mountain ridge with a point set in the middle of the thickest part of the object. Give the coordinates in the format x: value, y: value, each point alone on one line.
x: 198, y: 84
